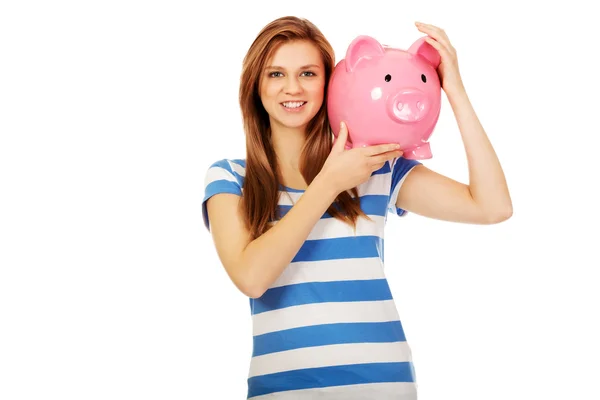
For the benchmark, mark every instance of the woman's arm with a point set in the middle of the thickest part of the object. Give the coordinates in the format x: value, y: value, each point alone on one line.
x: 254, y: 265
x: 486, y: 199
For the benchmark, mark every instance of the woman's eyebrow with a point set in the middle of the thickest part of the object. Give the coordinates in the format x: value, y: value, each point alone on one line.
x: 304, y: 66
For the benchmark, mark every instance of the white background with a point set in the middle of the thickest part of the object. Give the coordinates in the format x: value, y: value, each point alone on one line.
x: 110, y: 114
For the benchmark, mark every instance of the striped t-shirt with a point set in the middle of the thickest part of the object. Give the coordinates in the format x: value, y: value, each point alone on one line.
x: 328, y: 327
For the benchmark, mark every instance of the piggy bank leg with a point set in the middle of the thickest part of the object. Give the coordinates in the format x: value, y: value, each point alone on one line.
x: 418, y: 153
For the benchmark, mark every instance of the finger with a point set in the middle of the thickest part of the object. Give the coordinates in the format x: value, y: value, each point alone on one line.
x: 380, y: 148
x: 377, y: 166
x: 382, y: 158
x: 341, y: 138
x: 439, y: 47
x: 436, y: 33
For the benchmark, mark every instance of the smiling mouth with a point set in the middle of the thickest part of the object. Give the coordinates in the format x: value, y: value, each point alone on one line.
x: 293, y: 105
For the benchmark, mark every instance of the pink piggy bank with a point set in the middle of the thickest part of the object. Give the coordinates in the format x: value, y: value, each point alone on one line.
x: 386, y: 95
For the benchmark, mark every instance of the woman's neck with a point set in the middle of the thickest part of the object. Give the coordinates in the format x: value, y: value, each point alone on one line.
x: 288, y: 143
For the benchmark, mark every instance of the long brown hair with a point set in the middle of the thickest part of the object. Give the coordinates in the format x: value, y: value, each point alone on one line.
x: 261, y: 182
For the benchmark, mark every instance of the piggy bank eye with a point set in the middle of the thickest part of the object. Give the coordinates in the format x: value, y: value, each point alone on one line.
x: 423, y: 78
x: 388, y: 78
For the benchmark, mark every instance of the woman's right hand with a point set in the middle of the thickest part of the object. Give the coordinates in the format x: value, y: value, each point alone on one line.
x: 348, y: 168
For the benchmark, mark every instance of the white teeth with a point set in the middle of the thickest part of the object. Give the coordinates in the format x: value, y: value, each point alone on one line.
x: 293, y: 104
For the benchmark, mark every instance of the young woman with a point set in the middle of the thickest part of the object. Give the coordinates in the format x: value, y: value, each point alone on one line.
x: 299, y: 223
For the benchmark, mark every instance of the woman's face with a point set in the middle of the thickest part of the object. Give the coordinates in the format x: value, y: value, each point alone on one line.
x: 293, y: 83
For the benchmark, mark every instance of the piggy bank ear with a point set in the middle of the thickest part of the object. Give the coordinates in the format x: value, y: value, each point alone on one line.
x: 421, y: 47
x: 363, y: 47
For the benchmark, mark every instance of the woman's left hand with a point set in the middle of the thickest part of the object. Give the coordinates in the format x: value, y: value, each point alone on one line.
x: 448, y: 71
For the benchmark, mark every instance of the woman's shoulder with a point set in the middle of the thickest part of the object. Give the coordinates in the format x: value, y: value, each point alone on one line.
x: 222, y: 176
x: 232, y: 170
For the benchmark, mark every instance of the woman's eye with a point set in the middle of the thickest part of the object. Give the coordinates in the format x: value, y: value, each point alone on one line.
x: 276, y: 74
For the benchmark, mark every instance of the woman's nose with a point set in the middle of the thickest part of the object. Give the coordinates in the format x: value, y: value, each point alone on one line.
x: 292, y: 86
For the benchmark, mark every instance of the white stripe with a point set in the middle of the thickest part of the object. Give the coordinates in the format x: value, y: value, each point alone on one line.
x: 288, y: 198
x: 331, y: 355
x: 378, y: 391
x: 324, y: 313
x: 331, y: 228
x: 217, y: 173
x: 237, y: 168
x: 347, y: 269
x: 379, y: 184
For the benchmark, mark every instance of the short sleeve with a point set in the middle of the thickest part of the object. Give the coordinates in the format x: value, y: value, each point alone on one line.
x: 220, y: 177
x: 400, y: 168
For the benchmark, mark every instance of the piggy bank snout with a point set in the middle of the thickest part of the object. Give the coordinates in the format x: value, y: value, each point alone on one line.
x: 409, y: 106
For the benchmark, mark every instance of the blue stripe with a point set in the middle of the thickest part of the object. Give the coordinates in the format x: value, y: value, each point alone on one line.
x: 221, y: 186
x: 383, y: 170
x: 289, y: 189
x: 327, y: 334
x: 340, y: 248
x: 331, y: 376
x: 401, y: 168
x: 321, y: 292
x: 371, y: 204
